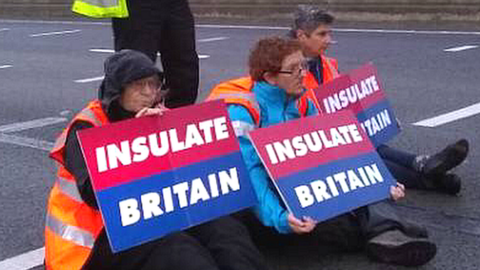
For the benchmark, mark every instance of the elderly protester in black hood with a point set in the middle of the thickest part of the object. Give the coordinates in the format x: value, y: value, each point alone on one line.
x: 123, y: 69
x: 74, y: 235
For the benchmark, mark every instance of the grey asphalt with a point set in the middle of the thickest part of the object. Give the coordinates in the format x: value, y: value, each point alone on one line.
x: 421, y: 81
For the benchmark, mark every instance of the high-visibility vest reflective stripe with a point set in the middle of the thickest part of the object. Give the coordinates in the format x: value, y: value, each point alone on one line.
x: 329, y: 72
x: 239, y: 91
x: 101, y: 8
x: 71, y: 225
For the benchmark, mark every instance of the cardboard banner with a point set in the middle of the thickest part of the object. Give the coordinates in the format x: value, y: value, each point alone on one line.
x: 158, y: 174
x: 361, y: 92
x: 323, y: 166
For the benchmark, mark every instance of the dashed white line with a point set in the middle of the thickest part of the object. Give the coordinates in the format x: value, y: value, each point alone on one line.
x: 262, y: 27
x: 461, y: 48
x: 5, y: 66
x: 450, y: 117
x: 15, y: 127
x: 55, y: 33
x: 94, y: 79
x: 200, y: 56
x: 212, y: 39
x: 393, y: 31
x: 4, y: 29
x: 27, y: 142
x: 24, y: 261
x: 102, y: 50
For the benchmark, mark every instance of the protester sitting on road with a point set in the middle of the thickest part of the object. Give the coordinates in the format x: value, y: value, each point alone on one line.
x: 75, y: 237
x: 311, y: 28
x: 277, y: 69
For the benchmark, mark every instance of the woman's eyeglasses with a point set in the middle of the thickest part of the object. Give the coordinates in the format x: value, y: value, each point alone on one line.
x: 296, y: 70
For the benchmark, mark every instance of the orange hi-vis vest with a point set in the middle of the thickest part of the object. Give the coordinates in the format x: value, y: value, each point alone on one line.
x: 71, y: 225
x: 329, y: 72
x: 239, y: 91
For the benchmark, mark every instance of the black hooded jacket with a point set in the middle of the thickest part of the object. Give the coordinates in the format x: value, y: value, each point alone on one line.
x: 120, y: 69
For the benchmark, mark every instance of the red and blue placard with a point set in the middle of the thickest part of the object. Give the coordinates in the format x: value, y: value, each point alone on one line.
x: 361, y: 91
x: 323, y: 166
x: 158, y: 174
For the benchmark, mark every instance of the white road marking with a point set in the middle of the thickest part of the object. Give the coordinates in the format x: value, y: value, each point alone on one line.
x: 450, y: 117
x: 4, y: 29
x: 15, y: 127
x: 262, y: 27
x: 5, y: 66
x: 102, y: 50
x: 90, y: 79
x: 28, y: 142
x: 461, y: 48
x: 212, y: 39
x: 200, y: 56
x: 393, y: 31
x: 55, y: 33
x: 24, y: 261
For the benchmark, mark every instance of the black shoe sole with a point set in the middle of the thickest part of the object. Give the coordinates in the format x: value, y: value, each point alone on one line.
x: 413, y: 253
x: 449, y: 158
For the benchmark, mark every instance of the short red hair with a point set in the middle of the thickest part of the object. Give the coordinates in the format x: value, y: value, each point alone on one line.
x: 268, y: 54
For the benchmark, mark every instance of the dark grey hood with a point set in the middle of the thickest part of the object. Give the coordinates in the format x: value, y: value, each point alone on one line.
x: 122, y: 68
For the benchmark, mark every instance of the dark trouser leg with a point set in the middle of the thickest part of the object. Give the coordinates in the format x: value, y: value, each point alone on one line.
x: 179, y: 56
x: 141, y: 31
x: 394, y: 155
x: 230, y: 244
x: 175, y: 251
x: 381, y: 217
x: 404, y: 175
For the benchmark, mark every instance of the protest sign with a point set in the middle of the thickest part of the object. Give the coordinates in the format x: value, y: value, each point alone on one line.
x: 157, y: 174
x: 323, y: 166
x: 361, y: 91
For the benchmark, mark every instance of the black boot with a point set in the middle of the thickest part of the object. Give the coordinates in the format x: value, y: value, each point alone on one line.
x: 449, y: 183
x: 395, y: 247
x: 443, y: 161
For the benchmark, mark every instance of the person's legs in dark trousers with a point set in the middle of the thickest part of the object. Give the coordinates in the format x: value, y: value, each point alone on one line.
x: 229, y: 243
x: 408, y: 177
x: 178, y: 55
x: 174, y: 251
x: 400, y: 165
x: 142, y: 30
x: 394, y: 155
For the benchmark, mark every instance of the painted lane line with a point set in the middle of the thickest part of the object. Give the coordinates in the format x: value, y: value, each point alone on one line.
x: 27, y: 142
x: 450, y: 117
x: 461, y: 48
x: 56, y: 33
x: 5, y: 66
x: 90, y: 79
x: 24, y: 261
x: 393, y: 31
x: 200, y: 56
x: 102, y: 50
x: 4, y: 29
x: 213, y: 39
x: 15, y: 127
x: 260, y: 27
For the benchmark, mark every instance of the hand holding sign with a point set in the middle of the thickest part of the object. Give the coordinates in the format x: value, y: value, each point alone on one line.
x: 397, y: 192
x: 301, y: 226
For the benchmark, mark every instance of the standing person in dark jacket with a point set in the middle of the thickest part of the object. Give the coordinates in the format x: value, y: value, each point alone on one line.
x: 74, y: 235
x: 165, y: 27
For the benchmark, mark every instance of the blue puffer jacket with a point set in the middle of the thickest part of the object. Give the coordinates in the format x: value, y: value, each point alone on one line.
x: 275, y: 107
